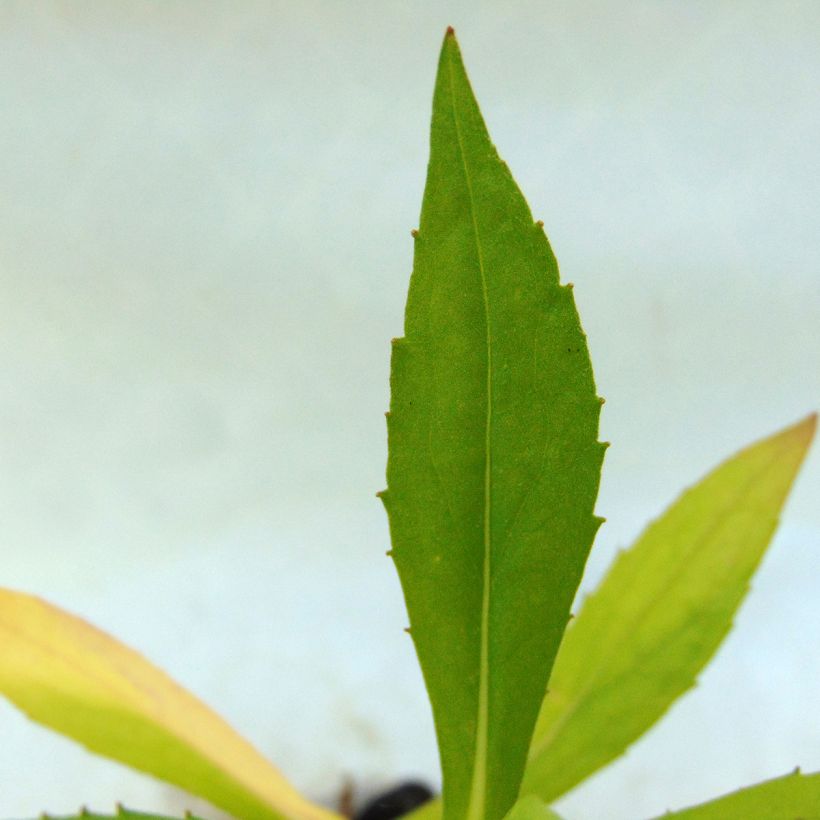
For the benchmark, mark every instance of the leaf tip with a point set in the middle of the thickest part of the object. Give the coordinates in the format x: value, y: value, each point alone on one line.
x: 801, y: 433
x: 451, y: 32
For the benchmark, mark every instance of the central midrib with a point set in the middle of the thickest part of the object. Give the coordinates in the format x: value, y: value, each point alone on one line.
x: 476, y: 805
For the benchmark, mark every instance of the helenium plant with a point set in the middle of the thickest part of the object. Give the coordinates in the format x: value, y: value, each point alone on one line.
x: 493, y: 471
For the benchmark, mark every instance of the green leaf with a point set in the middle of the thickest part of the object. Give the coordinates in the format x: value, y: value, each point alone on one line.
x: 531, y: 808
x: 65, y: 674
x: 793, y: 797
x: 660, y: 614
x: 494, y: 461
x: 121, y: 814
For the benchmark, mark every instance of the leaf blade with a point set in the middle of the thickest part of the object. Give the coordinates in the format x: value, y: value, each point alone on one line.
x: 121, y: 814
x: 68, y: 675
x: 660, y: 613
x: 784, y: 798
x: 531, y: 808
x: 494, y: 462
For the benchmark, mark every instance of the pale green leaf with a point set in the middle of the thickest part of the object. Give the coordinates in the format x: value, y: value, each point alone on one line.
x: 531, y: 808
x: 663, y: 609
x: 65, y: 674
x: 494, y: 460
x: 793, y: 797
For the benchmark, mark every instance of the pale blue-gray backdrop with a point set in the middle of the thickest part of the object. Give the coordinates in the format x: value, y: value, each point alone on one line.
x: 205, y: 214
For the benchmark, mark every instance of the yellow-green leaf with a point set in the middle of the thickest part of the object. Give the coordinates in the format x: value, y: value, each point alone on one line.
x: 663, y: 609
x: 431, y: 810
x: 69, y: 676
x: 793, y: 797
x: 531, y: 808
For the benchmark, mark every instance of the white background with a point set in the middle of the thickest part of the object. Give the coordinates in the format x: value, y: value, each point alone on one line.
x: 205, y: 211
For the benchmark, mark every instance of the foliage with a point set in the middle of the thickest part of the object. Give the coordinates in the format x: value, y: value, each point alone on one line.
x: 660, y: 614
x: 121, y: 814
x: 68, y: 675
x: 792, y: 796
x: 494, y: 459
x: 492, y: 475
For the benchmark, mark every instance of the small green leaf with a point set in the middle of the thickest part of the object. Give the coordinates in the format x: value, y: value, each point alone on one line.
x: 121, y: 814
x: 494, y: 460
x: 69, y: 676
x: 793, y: 797
x: 531, y: 808
x: 660, y: 614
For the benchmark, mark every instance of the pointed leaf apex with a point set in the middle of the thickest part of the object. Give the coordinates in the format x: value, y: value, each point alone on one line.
x: 451, y: 32
x: 808, y: 426
x: 798, y: 437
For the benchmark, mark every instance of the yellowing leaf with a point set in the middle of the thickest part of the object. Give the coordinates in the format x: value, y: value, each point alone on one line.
x: 663, y: 609
x: 68, y: 675
x: 793, y: 797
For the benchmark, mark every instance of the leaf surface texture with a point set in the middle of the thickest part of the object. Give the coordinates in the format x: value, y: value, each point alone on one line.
x: 494, y: 461
x: 660, y: 613
x: 71, y: 677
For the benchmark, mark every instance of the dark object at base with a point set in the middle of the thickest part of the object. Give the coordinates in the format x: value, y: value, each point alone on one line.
x: 401, y: 800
